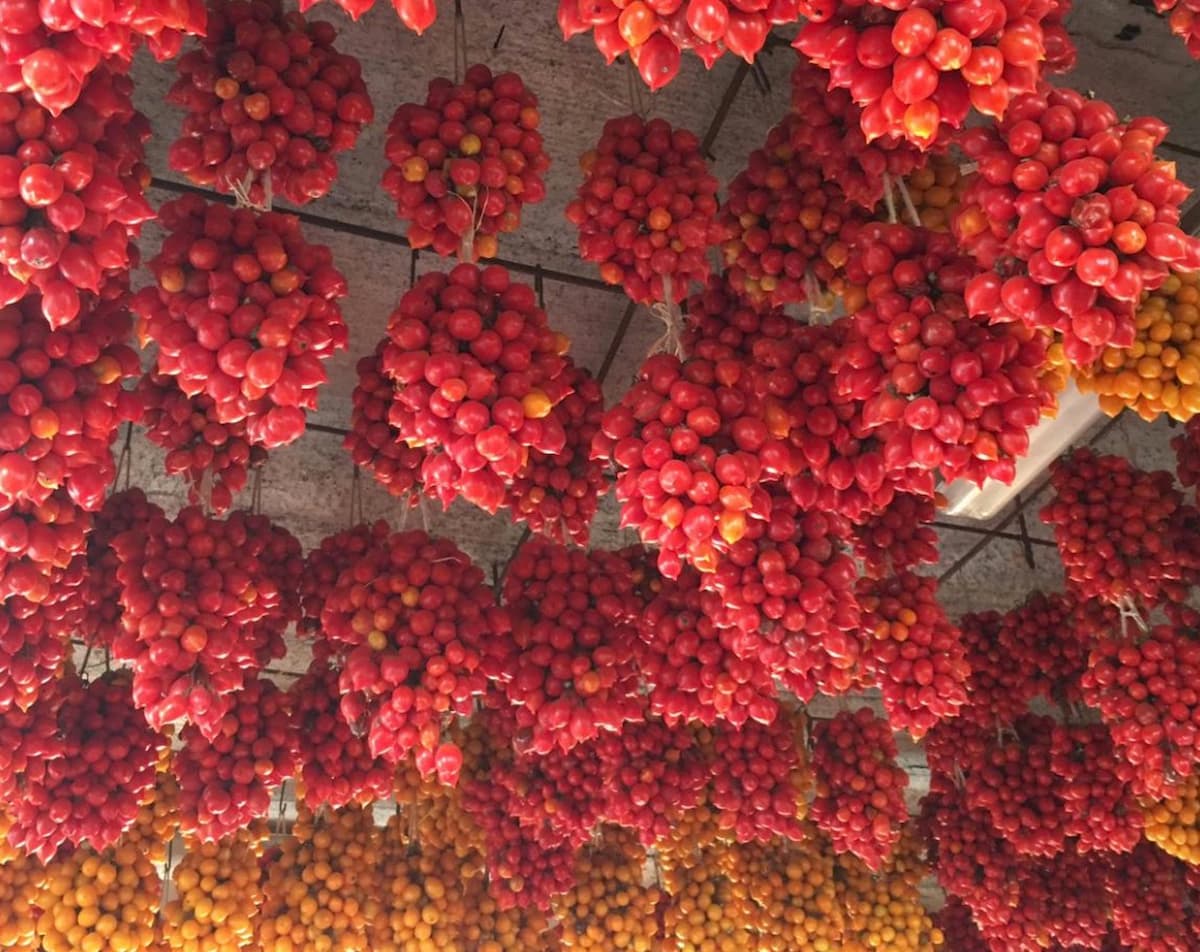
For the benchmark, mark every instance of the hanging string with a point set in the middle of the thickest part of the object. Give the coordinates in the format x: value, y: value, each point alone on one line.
x: 539, y: 285
x: 424, y: 514
x: 242, y: 192
x: 412, y: 268
x: 889, y: 200
x: 356, y: 503
x: 125, y: 460
x: 460, y: 42
x: 256, y: 493
x: 906, y: 197
x: 637, y: 103
x: 466, y: 250
x: 1130, y: 614
x: 667, y: 311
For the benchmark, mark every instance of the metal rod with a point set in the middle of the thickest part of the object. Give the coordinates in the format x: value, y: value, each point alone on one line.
x: 714, y: 127
x: 614, y: 345
x: 993, y: 534
x: 391, y: 238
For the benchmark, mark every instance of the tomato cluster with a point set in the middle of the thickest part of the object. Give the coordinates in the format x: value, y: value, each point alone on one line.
x: 1143, y: 687
x: 1160, y: 371
x: 655, y: 34
x: 226, y: 780
x: 915, y: 655
x: 245, y: 312
x: 941, y: 389
x: 570, y: 671
x: 899, y: 537
x: 463, y: 164
x: 1075, y: 207
x: 373, y: 443
x: 54, y: 50
x: 786, y: 590
x: 832, y: 131
x: 33, y: 645
x: 71, y: 197
x: 336, y: 767
x: 205, y: 604
x: 269, y: 102
x: 691, y: 446
x: 918, y: 70
x: 558, y: 494
x: 1118, y: 528
x: 92, y: 784
x: 651, y: 773
x: 1098, y: 806
x: 859, y: 798
x: 416, y: 622
x: 760, y: 779
x: 61, y: 404
x: 686, y: 662
x: 218, y: 892
x: 214, y: 456
x: 478, y: 371
x: 646, y: 211
x: 786, y: 226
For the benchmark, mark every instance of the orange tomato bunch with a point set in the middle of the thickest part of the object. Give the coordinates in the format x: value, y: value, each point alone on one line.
x: 218, y: 894
x: 320, y: 891
x: 1160, y: 371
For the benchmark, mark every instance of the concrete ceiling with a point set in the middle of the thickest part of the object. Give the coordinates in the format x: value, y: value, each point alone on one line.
x: 1126, y: 56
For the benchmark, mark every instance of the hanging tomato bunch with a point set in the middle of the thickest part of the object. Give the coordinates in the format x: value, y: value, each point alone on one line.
x: 686, y: 662
x: 269, y: 318
x: 1098, y: 806
x: 1185, y: 21
x: 917, y: 70
x: 898, y: 538
x: 218, y: 891
x: 942, y: 390
x: 461, y: 166
x: 646, y: 211
x: 214, y: 457
x: 373, y: 443
x: 335, y: 766
x: 325, y: 564
x: 34, y: 639
x: 1117, y: 528
x: 101, y: 590
x: 859, y: 799
x: 675, y: 488
x: 915, y: 654
x: 832, y: 131
x: 91, y: 787
x: 54, y: 51
x: 1153, y: 900
x: 760, y: 779
x: 417, y: 621
x: 1142, y: 686
x: 62, y: 403
x: 71, y: 188
x: 37, y: 545
x: 787, y: 227
x: 655, y: 34
x: 558, y: 494
x: 570, y: 671
x: 1083, y: 209
x: 846, y: 472
x: 478, y: 371
x: 269, y: 102
x: 786, y: 589
x: 227, y: 781
x: 205, y: 603
x: 651, y: 772
x: 1160, y: 371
